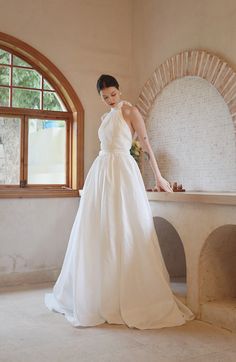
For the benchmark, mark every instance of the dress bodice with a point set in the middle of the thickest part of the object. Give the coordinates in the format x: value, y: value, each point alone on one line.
x: 114, y: 133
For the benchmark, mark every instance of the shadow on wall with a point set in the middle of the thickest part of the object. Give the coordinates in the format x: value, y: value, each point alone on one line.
x: 217, y: 265
x: 171, y: 247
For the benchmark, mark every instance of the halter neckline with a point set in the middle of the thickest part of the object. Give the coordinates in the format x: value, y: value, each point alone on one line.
x: 118, y: 105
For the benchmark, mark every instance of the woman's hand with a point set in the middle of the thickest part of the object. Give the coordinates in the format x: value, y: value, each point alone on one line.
x: 162, y: 185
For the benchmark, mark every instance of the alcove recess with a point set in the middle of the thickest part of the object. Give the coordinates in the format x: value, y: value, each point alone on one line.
x: 189, y: 108
x: 173, y: 254
x: 217, y: 268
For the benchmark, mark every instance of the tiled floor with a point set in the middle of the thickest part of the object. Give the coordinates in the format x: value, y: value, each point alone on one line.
x: 30, y: 332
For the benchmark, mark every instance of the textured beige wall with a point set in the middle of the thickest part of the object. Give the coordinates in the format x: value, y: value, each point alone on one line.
x: 163, y: 28
x: 83, y: 38
x: 193, y: 137
x: 129, y: 39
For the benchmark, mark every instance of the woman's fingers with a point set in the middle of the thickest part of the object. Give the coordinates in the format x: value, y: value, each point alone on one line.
x: 164, y: 186
x: 169, y: 187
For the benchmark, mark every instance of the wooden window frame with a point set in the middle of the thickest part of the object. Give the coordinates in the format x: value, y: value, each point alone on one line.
x: 74, y: 118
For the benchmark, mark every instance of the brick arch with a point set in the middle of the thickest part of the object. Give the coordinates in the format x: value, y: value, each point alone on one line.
x: 191, y: 63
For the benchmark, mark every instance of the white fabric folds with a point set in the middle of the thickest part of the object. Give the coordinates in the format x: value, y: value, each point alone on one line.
x: 113, y: 270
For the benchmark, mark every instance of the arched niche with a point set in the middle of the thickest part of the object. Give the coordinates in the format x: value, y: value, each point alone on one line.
x: 217, y: 278
x: 217, y: 265
x: 173, y: 254
x: 189, y: 107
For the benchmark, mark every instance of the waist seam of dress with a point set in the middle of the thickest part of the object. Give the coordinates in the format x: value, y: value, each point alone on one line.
x: 114, y: 150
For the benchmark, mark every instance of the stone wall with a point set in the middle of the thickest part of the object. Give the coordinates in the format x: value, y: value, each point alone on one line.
x: 189, y: 106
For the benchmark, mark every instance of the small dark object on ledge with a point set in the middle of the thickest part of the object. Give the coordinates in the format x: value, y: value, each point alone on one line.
x: 175, y: 188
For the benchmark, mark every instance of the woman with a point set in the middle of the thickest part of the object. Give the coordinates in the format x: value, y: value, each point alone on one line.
x: 113, y: 270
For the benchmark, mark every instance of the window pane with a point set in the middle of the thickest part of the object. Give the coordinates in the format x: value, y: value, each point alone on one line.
x: 52, y: 102
x: 20, y: 62
x: 4, y: 97
x: 24, y: 98
x: 9, y: 150
x: 46, y: 85
x: 4, y: 75
x: 47, y: 152
x: 26, y: 78
x: 4, y: 57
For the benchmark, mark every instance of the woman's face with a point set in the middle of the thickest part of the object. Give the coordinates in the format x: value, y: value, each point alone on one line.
x: 110, y: 96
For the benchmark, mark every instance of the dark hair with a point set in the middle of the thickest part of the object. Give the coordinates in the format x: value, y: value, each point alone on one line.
x: 106, y: 80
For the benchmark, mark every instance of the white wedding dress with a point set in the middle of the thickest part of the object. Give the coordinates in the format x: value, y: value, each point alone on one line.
x: 113, y: 270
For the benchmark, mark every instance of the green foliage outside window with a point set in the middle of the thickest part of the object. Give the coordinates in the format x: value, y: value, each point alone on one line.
x: 4, y: 57
x: 23, y: 77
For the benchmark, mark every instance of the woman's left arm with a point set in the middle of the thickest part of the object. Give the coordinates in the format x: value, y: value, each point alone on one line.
x: 139, y: 126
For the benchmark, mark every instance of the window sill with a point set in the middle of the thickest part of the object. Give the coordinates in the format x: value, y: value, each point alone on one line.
x: 33, y: 193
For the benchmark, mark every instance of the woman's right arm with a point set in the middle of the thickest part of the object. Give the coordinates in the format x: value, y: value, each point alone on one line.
x: 140, y: 128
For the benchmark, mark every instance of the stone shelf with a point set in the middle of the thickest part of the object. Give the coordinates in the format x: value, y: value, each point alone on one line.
x: 221, y: 313
x: 226, y: 198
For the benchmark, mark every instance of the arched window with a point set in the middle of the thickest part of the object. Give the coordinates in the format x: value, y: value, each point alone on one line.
x: 41, y: 126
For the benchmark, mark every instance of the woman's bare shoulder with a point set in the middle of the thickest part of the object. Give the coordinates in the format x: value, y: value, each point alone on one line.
x: 129, y: 109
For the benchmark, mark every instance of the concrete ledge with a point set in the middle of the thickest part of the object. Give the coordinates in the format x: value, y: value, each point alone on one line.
x: 225, y: 198
x: 221, y: 313
x: 194, y: 196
